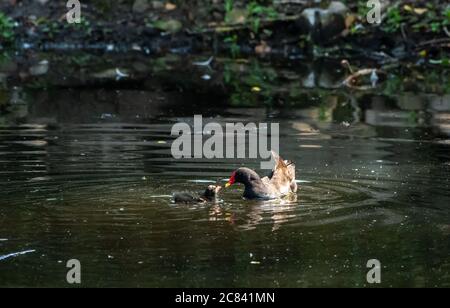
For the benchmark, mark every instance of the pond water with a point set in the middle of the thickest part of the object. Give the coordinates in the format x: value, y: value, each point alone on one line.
x: 86, y: 173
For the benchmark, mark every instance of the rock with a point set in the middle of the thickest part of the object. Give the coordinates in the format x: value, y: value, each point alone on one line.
x: 263, y: 49
x: 140, y: 6
x: 113, y: 73
x: 337, y: 7
x: 411, y: 101
x: 440, y: 103
x: 316, y: 15
x: 39, y: 69
x: 325, y: 24
x: 445, y: 229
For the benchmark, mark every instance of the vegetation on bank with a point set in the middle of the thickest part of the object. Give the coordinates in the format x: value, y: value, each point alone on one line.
x: 6, y: 29
x: 408, y: 28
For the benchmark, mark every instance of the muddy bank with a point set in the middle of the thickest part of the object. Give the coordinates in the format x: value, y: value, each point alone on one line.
x: 289, y: 29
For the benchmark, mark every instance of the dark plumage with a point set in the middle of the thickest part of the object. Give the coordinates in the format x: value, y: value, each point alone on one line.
x: 209, y: 195
x: 280, y: 183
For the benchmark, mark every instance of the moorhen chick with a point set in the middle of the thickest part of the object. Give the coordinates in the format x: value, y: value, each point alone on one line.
x: 209, y: 195
x: 280, y: 183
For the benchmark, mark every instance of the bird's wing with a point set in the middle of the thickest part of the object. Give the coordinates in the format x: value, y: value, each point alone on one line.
x: 283, y: 175
x: 280, y: 166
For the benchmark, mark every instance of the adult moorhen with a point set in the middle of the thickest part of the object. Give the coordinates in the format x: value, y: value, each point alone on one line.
x: 209, y: 195
x: 280, y: 183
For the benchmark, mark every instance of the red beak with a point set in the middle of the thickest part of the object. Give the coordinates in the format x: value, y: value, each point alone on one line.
x: 231, y: 181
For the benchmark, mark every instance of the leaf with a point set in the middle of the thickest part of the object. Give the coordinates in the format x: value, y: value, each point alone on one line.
x: 408, y: 8
x: 350, y: 21
x: 170, y: 6
x: 229, y: 5
x: 256, y: 25
x: 420, y: 11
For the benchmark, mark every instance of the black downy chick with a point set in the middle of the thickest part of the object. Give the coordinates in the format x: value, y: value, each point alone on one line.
x: 209, y: 195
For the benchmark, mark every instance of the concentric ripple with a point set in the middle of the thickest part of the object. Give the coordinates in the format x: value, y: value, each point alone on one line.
x: 103, y: 193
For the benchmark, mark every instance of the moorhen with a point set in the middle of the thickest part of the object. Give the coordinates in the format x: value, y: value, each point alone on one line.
x: 280, y: 183
x: 209, y: 195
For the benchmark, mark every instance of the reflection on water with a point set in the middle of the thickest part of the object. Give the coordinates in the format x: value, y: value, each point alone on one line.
x: 87, y: 173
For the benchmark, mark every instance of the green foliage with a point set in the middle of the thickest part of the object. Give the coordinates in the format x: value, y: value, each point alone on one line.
x: 433, y: 19
x: 242, y: 79
x: 343, y: 112
x: 446, y: 16
x: 412, y: 118
x: 254, y: 12
x: 84, y: 25
x: 6, y: 28
x: 170, y: 25
x: 257, y: 11
x: 4, y: 58
x: 447, y: 13
x: 446, y: 62
x: 232, y: 41
x: 105, y: 6
x: 435, y: 26
x: 394, y: 20
x: 363, y: 9
x: 81, y: 60
x: 255, y: 24
x: 394, y: 84
x: 50, y: 28
x: 229, y: 5
x: 323, y: 108
x: 430, y: 18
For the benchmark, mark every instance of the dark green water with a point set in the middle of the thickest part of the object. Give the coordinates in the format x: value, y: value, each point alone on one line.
x: 86, y: 173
